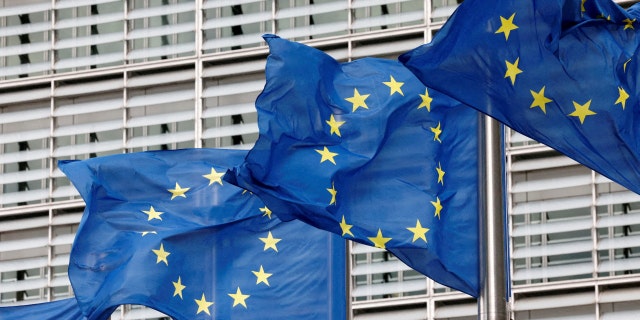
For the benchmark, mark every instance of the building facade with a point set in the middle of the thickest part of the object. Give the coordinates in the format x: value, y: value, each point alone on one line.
x: 86, y: 78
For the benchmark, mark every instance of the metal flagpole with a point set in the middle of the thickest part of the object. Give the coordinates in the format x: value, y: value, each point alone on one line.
x: 492, y: 301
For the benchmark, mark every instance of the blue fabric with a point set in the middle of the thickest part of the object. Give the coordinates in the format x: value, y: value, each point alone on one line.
x: 577, y: 91
x: 384, y: 178
x: 66, y: 309
x: 212, y: 233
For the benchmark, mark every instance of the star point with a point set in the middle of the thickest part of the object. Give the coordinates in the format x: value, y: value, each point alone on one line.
x: 426, y: 100
x: 262, y: 277
x: 628, y: 23
x: 178, y: 191
x: 582, y: 111
x: 346, y: 228
x: 394, y: 86
x: 506, y: 26
x: 379, y: 241
x: 162, y: 255
x: 203, y: 305
x: 624, y: 65
x: 153, y: 214
x: 178, y: 287
x: 358, y: 100
x: 539, y: 100
x: 512, y: 70
x: 327, y: 155
x: 419, y: 232
x: 266, y: 212
x: 436, y: 133
x: 214, y: 176
x: 333, y: 193
x: 239, y: 298
x: 334, y: 125
x: 622, y: 97
x: 270, y: 242
x: 438, y: 206
x: 440, y: 174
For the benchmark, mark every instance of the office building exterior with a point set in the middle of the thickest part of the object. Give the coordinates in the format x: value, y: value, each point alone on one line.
x: 88, y: 78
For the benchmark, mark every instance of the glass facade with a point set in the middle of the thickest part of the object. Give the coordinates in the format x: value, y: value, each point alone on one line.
x: 87, y: 78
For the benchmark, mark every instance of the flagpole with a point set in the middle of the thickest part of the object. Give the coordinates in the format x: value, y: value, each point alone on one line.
x: 492, y: 301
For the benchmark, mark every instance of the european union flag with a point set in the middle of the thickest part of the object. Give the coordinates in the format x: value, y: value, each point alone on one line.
x: 162, y: 229
x: 364, y: 150
x: 65, y: 309
x: 562, y: 72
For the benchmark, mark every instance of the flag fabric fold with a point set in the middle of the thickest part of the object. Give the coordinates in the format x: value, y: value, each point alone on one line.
x: 364, y: 150
x: 562, y: 72
x: 162, y: 229
x: 65, y: 309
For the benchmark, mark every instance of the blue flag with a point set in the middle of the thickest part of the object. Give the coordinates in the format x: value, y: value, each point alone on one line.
x: 162, y: 229
x: 562, y: 72
x: 66, y: 309
x: 366, y: 151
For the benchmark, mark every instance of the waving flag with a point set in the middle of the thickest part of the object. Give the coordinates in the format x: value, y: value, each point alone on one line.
x: 563, y: 72
x: 65, y: 309
x: 162, y: 229
x: 364, y: 150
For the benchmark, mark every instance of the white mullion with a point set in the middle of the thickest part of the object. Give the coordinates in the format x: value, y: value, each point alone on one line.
x: 198, y: 72
x: 145, y: 25
x: 594, y: 225
x: 198, y: 108
x: 52, y: 49
x: 125, y: 111
x: 3, y: 60
x: 274, y: 11
x: 199, y: 35
x: 48, y: 268
x: 218, y: 120
x: 125, y: 34
x: 509, y: 197
x: 50, y: 161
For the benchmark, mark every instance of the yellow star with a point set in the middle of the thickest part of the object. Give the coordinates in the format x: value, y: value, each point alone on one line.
x: 395, y: 86
x: 327, y: 155
x: 624, y: 66
x: 438, y: 207
x: 270, y: 242
x: 266, y: 212
x: 379, y: 241
x: 346, y: 228
x: 333, y: 193
x: 426, y: 100
x: 214, y: 176
x: 239, y: 298
x: 582, y: 9
x: 628, y: 23
x: 582, y: 111
x: 436, y: 133
x: 539, y: 100
x: 203, y: 305
x: 440, y: 174
x: 153, y: 214
x: 622, y: 97
x: 178, y: 287
x: 262, y: 276
x: 335, y: 125
x: 419, y: 232
x: 506, y: 26
x: 358, y: 100
x: 178, y: 191
x: 162, y: 255
x: 512, y: 70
